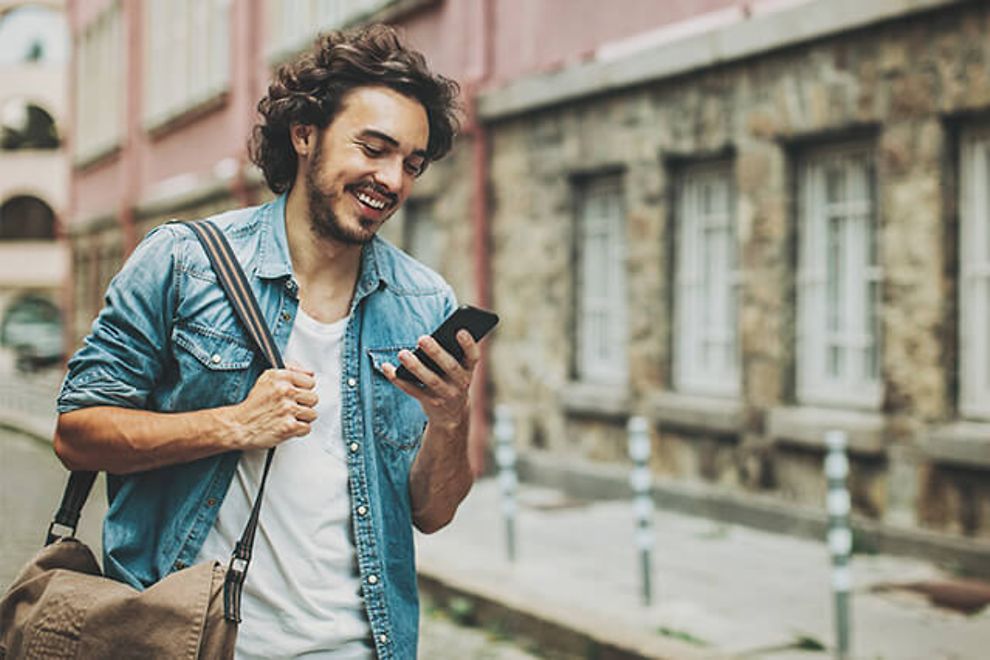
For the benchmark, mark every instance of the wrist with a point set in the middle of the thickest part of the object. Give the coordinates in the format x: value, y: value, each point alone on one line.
x: 231, y: 433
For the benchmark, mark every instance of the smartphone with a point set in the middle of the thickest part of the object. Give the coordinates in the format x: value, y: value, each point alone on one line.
x: 475, y: 320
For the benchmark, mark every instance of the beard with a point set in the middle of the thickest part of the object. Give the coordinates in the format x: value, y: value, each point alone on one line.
x: 323, y: 220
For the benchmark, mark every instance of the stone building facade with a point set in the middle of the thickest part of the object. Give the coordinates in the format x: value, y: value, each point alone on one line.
x: 905, y: 93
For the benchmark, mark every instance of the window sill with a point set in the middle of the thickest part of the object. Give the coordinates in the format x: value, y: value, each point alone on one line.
x: 96, y: 155
x: 960, y: 443
x: 719, y: 415
x: 163, y: 124
x: 596, y: 399
x: 805, y: 426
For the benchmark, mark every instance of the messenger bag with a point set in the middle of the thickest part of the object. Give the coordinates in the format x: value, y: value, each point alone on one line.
x: 61, y: 605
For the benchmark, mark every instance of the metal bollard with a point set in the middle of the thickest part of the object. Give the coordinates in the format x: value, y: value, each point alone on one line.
x: 839, y: 534
x: 641, y: 482
x: 505, y: 458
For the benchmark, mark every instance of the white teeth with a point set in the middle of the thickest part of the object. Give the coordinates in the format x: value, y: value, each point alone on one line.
x: 373, y: 203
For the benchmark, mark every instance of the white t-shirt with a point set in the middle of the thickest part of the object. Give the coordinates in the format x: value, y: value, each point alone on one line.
x: 302, y: 595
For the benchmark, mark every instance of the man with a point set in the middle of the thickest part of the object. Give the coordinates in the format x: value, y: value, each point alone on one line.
x: 165, y: 394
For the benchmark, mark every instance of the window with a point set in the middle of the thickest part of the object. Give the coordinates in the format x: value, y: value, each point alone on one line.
x: 601, y: 355
x: 706, y: 355
x: 420, y: 235
x: 974, y: 276
x: 99, y: 85
x: 32, y: 34
x: 24, y: 125
x: 25, y: 218
x: 838, y: 280
x: 293, y: 23
x: 187, y: 58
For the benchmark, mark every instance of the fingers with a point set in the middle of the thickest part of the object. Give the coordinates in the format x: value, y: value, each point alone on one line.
x: 458, y: 373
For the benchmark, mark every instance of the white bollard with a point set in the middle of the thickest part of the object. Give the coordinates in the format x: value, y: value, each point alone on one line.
x: 642, y: 486
x: 839, y: 505
x: 505, y: 458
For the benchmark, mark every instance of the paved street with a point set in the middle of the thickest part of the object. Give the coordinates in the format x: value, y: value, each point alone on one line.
x: 31, y: 483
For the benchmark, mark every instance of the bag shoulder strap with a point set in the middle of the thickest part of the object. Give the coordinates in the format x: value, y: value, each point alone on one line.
x: 235, y: 284
x: 238, y: 289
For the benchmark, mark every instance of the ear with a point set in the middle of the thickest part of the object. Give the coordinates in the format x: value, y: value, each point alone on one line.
x: 303, y: 137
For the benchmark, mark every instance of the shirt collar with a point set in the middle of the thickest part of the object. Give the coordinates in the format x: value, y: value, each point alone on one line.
x: 274, y: 260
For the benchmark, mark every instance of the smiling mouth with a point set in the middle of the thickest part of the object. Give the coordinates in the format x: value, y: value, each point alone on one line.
x: 372, y: 199
x: 368, y: 200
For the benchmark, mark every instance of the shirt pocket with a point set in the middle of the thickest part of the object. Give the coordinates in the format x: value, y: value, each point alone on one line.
x: 212, y: 367
x: 397, y: 418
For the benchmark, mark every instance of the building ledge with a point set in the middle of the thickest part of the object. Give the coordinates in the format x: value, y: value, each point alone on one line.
x: 961, y: 443
x: 725, y: 36
x: 806, y: 427
x: 596, y: 399
x: 719, y: 415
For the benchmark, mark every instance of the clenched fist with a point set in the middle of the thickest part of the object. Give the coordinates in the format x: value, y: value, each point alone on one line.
x: 278, y: 407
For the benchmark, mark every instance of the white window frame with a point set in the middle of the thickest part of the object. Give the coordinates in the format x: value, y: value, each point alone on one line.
x: 706, y: 322
x: 293, y: 24
x: 99, y: 94
x: 974, y: 274
x: 839, y: 334
x: 186, y: 58
x: 601, y: 311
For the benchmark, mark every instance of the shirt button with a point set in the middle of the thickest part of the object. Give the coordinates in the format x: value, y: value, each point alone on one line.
x: 362, y: 510
x: 354, y: 447
x: 383, y: 638
x: 211, y: 502
x: 179, y: 565
x: 286, y: 316
x: 352, y: 382
x: 372, y: 579
x: 215, y: 359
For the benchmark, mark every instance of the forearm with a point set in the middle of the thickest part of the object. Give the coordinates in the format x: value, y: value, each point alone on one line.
x: 123, y: 440
x: 441, y: 475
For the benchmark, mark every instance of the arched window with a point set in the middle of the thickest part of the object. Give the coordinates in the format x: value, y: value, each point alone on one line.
x: 26, y: 218
x: 26, y: 126
x: 33, y: 34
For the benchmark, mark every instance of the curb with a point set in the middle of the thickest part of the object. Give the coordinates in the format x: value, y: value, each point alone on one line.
x: 544, y: 625
x: 582, y: 480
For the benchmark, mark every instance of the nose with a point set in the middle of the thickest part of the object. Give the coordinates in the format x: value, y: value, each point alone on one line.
x: 390, y: 174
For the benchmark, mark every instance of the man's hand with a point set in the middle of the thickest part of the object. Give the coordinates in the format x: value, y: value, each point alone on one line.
x: 441, y: 475
x: 124, y: 440
x: 444, y: 397
x: 278, y: 407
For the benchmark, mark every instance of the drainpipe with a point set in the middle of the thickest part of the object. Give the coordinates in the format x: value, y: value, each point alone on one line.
x: 478, y: 441
x: 132, y: 146
x: 252, y: 57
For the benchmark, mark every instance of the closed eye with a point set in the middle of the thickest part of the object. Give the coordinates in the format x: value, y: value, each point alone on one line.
x: 372, y: 151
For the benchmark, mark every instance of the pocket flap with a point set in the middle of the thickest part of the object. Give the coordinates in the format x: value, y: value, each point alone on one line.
x: 389, y: 354
x: 212, y: 349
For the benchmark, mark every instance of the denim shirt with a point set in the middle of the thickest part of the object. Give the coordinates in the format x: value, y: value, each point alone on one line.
x: 168, y: 340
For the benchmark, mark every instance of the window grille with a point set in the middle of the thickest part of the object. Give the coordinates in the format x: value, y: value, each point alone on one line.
x: 706, y: 347
x: 839, y: 279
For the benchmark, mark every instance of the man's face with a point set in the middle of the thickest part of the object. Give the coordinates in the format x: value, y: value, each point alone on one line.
x: 364, y: 162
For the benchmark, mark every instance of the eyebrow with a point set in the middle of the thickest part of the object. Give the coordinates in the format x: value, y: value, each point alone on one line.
x: 385, y: 137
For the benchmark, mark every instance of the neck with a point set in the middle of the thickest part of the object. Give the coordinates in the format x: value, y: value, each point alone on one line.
x: 325, y: 269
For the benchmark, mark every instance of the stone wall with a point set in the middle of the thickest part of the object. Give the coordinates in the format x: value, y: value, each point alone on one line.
x: 905, y: 88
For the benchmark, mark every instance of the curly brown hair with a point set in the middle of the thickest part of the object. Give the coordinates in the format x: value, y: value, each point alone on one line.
x: 310, y: 90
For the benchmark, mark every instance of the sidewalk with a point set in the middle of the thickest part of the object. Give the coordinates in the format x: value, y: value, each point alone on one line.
x: 719, y: 590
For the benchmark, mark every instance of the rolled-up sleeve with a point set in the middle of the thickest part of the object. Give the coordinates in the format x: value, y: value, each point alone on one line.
x: 122, y: 358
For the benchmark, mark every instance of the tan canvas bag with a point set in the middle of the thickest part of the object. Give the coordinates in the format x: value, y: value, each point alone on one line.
x: 61, y: 606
